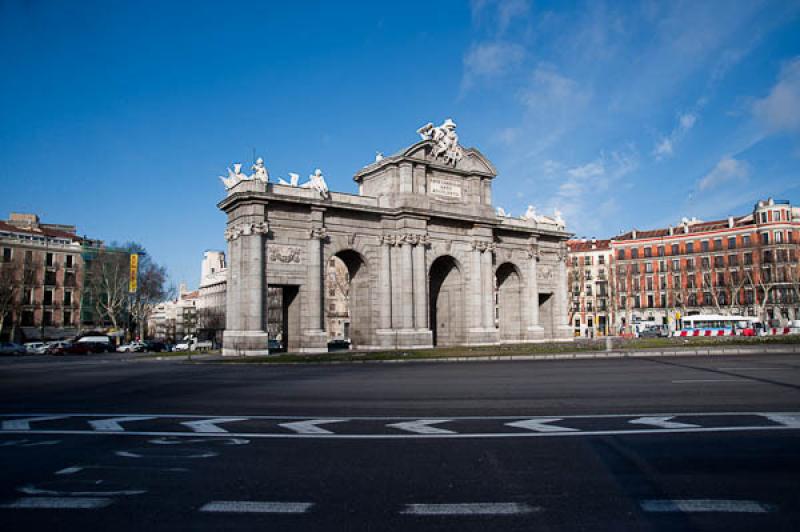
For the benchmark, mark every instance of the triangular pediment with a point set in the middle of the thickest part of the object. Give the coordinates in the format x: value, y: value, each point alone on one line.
x: 473, y: 160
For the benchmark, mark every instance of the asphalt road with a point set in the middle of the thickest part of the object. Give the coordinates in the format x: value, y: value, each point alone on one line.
x: 681, y: 443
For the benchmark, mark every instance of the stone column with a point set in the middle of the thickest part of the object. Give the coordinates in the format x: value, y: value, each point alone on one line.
x: 561, y: 325
x: 476, y: 286
x: 232, y: 284
x: 534, y: 328
x: 386, y: 282
x: 420, y: 284
x: 488, y: 287
x: 252, y: 279
x: 315, y: 294
x: 408, y: 286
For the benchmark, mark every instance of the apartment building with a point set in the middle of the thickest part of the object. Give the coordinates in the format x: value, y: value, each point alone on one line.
x: 591, y: 294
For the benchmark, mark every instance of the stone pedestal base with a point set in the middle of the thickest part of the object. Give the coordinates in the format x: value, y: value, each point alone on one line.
x: 482, y: 337
x: 564, y: 332
x: 314, y: 341
x: 413, y: 339
x: 244, y: 343
x: 534, y: 333
x: 386, y: 338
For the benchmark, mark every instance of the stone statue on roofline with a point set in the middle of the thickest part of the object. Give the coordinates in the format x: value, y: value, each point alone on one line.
x: 260, y: 171
x: 445, y: 140
x: 236, y: 175
x: 317, y: 182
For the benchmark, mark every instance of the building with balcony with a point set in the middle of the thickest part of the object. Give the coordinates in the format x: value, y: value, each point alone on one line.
x: 744, y: 264
x: 41, y: 279
x: 589, y: 268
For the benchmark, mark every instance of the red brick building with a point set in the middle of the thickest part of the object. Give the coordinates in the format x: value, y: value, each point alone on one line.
x: 740, y: 265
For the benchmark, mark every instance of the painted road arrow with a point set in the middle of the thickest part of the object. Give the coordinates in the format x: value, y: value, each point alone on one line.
x: 789, y: 420
x: 310, y: 426
x: 663, y: 422
x: 25, y: 424
x: 422, y: 426
x: 540, y: 424
x: 113, y: 424
x: 210, y: 425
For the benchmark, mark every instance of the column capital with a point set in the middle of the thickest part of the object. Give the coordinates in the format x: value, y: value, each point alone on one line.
x: 245, y: 229
x: 483, y: 245
x: 318, y: 233
x: 534, y: 252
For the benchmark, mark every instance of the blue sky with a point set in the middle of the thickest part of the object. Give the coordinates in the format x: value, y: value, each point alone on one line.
x: 118, y: 117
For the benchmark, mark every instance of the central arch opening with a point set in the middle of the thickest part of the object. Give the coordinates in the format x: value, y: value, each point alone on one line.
x: 348, y: 316
x: 509, y: 303
x: 446, y: 302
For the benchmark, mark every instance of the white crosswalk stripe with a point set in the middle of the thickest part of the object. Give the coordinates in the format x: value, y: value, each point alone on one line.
x: 25, y: 423
x: 210, y: 425
x: 661, y: 421
x: 541, y: 425
x: 264, y: 507
x: 704, y: 505
x: 423, y: 426
x: 470, y: 508
x: 310, y: 426
x: 59, y: 503
x: 113, y: 424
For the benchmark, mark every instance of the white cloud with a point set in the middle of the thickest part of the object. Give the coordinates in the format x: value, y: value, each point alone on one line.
x: 666, y: 146
x: 727, y: 171
x: 593, y: 169
x: 549, y: 88
x: 490, y: 59
x: 780, y: 109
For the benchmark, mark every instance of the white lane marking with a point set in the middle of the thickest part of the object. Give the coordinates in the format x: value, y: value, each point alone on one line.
x: 661, y: 421
x: 28, y: 443
x: 470, y: 508
x: 113, y: 424
x: 310, y: 426
x: 33, y: 490
x: 59, y: 503
x: 422, y: 426
x: 559, y: 433
x: 179, y: 441
x: 788, y: 420
x: 692, y: 381
x: 752, y: 369
x: 202, y: 454
x: 262, y: 507
x: 540, y: 424
x: 704, y: 505
x: 25, y: 424
x: 210, y: 425
x: 69, y: 470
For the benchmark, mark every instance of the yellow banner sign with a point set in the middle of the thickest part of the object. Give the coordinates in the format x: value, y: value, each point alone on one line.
x: 132, y: 284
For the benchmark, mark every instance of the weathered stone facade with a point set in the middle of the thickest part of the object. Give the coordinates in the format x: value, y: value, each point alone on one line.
x: 425, y: 251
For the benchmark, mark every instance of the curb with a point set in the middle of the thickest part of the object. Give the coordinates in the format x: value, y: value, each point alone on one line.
x: 642, y: 353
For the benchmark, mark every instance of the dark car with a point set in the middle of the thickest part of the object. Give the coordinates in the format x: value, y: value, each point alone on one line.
x: 155, y: 347
x: 651, y: 332
x: 10, y: 348
x: 85, y: 348
x: 338, y: 345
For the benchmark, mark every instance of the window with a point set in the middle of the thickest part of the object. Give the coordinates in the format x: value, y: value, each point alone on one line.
x: 48, y: 260
x: 27, y: 296
x: 676, y: 265
x: 765, y: 238
x: 663, y: 282
x: 745, y: 241
x: 650, y: 301
x: 720, y: 279
x: 648, y: 267
x: 50, y: 278
x: 690, y: 247
x: 733, y: 260
x: 676, y: 249
x: 67, y: 298
x: 636, y: 285
x: 748, y: 297
x: 676, y: 281
x: 601, y: 259
x: 662, y: 265
x: 704, y: 245
x: 689, y: 265
x: 28, y: 256
x: 748, y: 259
x: 660, y: 251
x: 574, y: 261
x: 777, y: 237
x: 636, y: 302
x: 27, y: 318
x: 48, y: 317
x: 717, y: 244
x: 706, y: 298
x: 648, y: 252
x: 790, y: 236
x: 690, y: 281
x: 69, y: 262
x: 763, y: 217
x: 635, y: 269
x: 587, y: 261
x: 663, y: 300
x: 621, y: 254
x: 692, y: 299
x: 706, y: 262
x: 731, y: 242
x: 734, y: 277
x: 650, y: 283
x: 622, y: 285
x: 6, y: 254
x: 776, y: 216
x: 635, y: 253
x: 48, y: 296
x: 719, y: 261
x: 67, y: 318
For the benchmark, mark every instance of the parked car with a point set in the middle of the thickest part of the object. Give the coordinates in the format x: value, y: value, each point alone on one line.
x: 133, y: 347
x: 86, y: 348
x: 10, y: 348
x: 57, y: 348
x: 102, y: 343
x: 652, y: 332
x: 156, y: 347
x: 181, y: 346
x: 338, y: 345
x: 35, y: 348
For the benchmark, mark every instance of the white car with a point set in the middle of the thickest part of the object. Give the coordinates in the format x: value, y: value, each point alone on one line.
x: 35, y: 348
x: 183, y: 346
x: 133, y: 347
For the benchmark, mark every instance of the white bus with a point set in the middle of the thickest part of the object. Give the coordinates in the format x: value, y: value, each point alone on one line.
x: 718, y: 325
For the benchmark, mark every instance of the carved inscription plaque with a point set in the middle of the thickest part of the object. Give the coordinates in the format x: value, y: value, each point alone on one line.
x: 446, y: 188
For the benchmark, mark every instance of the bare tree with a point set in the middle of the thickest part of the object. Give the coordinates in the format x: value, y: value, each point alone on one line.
x: 152, y: 289
x: 107, y: 285
x: 10, y: 283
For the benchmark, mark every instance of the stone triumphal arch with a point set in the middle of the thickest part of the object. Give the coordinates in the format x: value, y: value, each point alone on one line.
x: 429, y: 260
